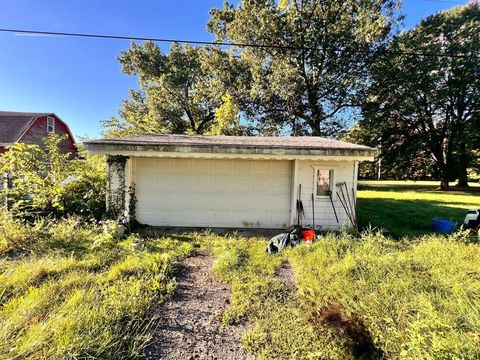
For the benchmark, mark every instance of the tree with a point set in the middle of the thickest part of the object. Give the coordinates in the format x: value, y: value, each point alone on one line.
x: 46, y: 181
x: 311, y: 84
x: 429, y: 105
x: 180, y: 92
x: 227, y: 118
x: 405, y: 162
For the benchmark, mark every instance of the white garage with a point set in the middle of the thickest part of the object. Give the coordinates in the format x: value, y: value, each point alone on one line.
x: 231, y: 181
x: 212, y: 193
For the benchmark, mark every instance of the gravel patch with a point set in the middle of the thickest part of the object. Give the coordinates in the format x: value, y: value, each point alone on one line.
x: 286, y: 276
x: 188, y: 326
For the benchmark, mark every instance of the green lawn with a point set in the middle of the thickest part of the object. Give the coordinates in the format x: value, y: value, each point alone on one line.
x: 406, y: 208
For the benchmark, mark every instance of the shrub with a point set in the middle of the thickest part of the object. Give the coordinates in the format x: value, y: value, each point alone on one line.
x: 86, y: 192
x: 46, y: 181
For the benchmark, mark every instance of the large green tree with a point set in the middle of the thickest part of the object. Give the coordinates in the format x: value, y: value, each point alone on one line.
x: 425, y: 95
x: 311, y: 83
x: 184, y: 91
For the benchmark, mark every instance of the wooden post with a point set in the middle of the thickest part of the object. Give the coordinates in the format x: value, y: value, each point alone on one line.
x: 379, y: 168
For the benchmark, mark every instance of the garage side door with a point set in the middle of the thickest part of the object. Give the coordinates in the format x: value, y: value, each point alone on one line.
x: 213, y: 193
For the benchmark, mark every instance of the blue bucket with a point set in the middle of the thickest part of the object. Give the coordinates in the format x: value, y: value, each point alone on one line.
x: 443, y: 226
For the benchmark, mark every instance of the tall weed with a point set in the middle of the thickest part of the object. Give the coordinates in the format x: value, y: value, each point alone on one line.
x: 279, y: 329
x: 416, y: 300
x: 67, y: 297
x: 361, y: 296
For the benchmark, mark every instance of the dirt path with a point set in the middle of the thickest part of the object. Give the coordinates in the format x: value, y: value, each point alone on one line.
x: 286, y: 276
x: 188, y: 326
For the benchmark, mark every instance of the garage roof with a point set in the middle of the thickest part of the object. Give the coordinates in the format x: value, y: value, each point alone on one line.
x: 301, y: 145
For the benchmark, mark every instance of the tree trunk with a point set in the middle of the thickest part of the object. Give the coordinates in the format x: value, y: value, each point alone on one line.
x: 316, y: 128
x: 463, y: 177
x: 445, y: 165
x: 444, y: 184
x: 462, y: 174
x: 444, y: 173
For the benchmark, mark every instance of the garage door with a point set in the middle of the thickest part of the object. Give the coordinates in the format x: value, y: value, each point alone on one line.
x: 212, y: 193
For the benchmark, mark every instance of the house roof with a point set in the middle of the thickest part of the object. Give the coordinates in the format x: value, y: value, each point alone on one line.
x: 302, y: 145
x: 14, y: 124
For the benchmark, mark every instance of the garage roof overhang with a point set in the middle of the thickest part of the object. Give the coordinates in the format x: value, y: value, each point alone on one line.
x: 231, y: 147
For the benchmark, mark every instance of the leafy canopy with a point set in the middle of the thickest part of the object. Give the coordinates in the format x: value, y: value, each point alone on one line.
x: 311, y: 84
x: 428, y: 107
x: 180, y: 92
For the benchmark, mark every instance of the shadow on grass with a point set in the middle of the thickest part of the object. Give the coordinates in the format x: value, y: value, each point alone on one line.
x: 406, y: 217
x: 420, y: 187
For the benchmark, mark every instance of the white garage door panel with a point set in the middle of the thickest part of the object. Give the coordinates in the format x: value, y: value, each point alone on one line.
x: 215, y: 193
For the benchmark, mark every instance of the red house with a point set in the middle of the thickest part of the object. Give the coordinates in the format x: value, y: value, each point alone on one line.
x: 31, y: 128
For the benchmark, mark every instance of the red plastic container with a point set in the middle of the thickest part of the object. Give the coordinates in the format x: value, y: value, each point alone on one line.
x: 308, y: 235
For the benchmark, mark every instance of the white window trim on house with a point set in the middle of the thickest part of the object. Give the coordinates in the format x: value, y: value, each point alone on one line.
x: 50, y: 124
x: 332, y: 181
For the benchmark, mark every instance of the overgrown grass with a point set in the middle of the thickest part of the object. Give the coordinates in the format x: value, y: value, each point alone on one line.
x: 406, y: 208
x: 413, y: 300
x: 280, y: 329
x: 69, y: 291
x: 367, y: 297
x: 46, y: 236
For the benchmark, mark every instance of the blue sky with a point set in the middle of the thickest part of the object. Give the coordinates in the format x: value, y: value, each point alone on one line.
x: 80, y: 79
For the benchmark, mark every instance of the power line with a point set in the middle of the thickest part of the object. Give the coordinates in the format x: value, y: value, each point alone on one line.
x: 447, y: 2
x: 138, y: 38
x: 198, y: 42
